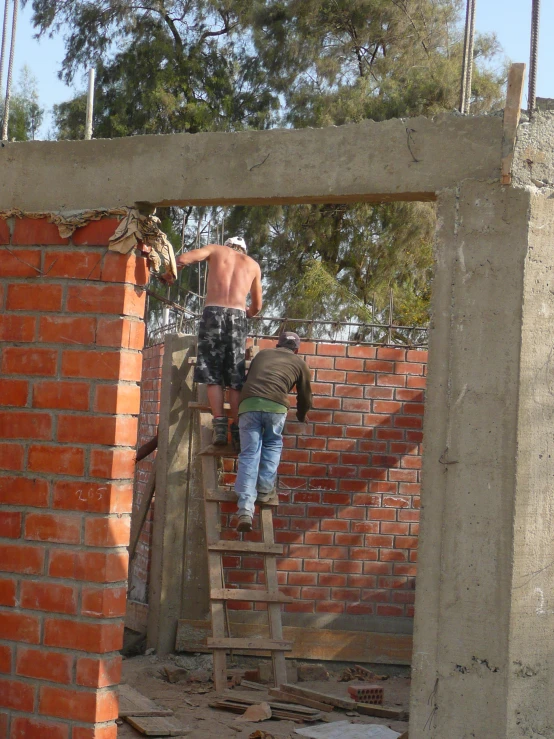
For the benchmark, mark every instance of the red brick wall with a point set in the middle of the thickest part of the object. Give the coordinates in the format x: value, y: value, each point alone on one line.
x: 349, y: 487
x: 148, y: 426
x: 71, y: 334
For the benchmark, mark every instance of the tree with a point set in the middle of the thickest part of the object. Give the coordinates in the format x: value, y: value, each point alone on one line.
x: 201, y: 65
x: 25, y: 112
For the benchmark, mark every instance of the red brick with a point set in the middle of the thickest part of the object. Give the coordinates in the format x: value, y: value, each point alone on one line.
x: 414, y: 381
x: 408, y: 422
x: 35, y: 728
x: 377, y: 568
x: 78, y: 705
x: 112, y: 463
x: 331, y: 350
x: 106, y: 430
x: 416, y: 409
x: 322, y: 483
x: 413, y: 395
x: 332, y: 580
x: 108, y: 532
x: 48, y: 596
x: 389, y: 434
x: 330, y: 376
x: 95, y: 233
x: 353, y: 365
x: 72, y: 396
x: 408, y: 515
x: 326, y: 403
x: 310, y: 593
x: 391, y: 380
x: 14, y: 392
x: 320, y: 362
x: 20, y: 425
x: 22, y: 360
x: 93, y: 497
x: 104, y: 602
x: 54, y: 528
x: 36, y: 231
x: 10, y: 524
x: 408, y: 368
x: 345, y: 594
x: 363, y: 553
x: 393, y: 555
x: 417, y: 355
x: 5, y: 661
x: 328, y: 552
x: 381, y: 393
x: 121, y: 399
x: 7, y: 592
x: 91, y: 566
x: 125, y: 268
x: 347, y: 566
x: 118, y: 299
x: 411, y: 462
x: 403, y: 475
x: 26, y: 560
x: 322, y: 388
x: 44, y: 665
x: 349, y: 404
x: 75, y: 264
x: 114, y: 365
x: 20, y: 263
x: 120, y: 332
x: 58, y: 460
x: 325, y: 606
x: 31, y: 297
x: 18, y: 696
x: 365, y: 527
x: 17, y: 328
x: 19, y: 627
x: 5, y: 238
x: 85, y: 637
x: 350, y: 419
x: 414, y: 436
x: 98, y: 673
x: 365, y: 352
x: 341, y: 445
x: 64, y: 330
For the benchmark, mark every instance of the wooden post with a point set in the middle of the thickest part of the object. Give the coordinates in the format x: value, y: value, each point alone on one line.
x: 167, y: 581
x: 512, y: 113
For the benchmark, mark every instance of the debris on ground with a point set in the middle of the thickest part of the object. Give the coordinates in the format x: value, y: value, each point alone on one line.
x: 259, y: 734
x: 308, y: 702
x: 200, y: 676
x: 307, y: 673
x: 360, y: 673
x: 174, y: 674
x: 346, y: 730
x: 285, y: 711
x: 256, y: 712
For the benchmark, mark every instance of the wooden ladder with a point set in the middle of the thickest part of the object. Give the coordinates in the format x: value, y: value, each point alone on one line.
x: 222, y: 640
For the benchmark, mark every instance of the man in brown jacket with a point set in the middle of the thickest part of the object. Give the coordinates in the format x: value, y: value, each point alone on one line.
x: 262, y: 413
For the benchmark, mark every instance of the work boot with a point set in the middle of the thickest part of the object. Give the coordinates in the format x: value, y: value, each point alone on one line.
x: 244, y: 524
x: 235, y: 437
x: 220, y: 427
x: 267, y: 498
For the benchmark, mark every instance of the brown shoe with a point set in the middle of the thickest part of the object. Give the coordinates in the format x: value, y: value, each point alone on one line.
x: 244, y: 524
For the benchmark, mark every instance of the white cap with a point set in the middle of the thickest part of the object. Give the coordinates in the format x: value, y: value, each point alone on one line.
x: 236, y: 241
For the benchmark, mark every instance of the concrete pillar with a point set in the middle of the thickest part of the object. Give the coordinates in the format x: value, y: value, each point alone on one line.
x: 483, y: 663
x: 179, y: 563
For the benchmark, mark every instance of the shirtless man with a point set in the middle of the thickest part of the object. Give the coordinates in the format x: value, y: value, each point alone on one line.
x: 223, y: 328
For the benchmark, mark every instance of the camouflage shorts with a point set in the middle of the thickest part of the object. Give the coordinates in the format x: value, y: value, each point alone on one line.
x: 221, y: 347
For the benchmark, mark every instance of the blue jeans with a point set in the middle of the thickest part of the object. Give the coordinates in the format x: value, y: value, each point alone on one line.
x: 261, y: 442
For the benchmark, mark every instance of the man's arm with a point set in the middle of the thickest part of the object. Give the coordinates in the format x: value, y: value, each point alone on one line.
x: 255, y: 295
x: 195, y: 255
x: 303, y: 393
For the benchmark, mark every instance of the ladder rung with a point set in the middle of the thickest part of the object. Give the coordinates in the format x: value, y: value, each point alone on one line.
x: 263, y: 645
x: 218, y: 451
x: 229, y: 496
x: 252, y: 547
x: 261, y: 596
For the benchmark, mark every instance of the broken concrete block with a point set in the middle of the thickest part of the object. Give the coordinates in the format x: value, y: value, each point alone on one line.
x: 312, y: 672
x: 174, y: 674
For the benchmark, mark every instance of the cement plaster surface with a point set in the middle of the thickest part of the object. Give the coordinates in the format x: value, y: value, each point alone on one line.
x: 408, y: 159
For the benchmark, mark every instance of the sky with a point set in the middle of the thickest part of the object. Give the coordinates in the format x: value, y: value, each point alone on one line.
x: 509, y: 19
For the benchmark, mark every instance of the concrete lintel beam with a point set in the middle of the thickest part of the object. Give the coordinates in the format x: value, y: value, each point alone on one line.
x: 410, y: 159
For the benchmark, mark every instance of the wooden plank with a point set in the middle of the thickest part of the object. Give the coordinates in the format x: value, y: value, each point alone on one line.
x: 237, y: 697
x: 258, y: 644
x: 215, y: 564
x: 157, y: 726
x: 512, y: 112
x: 273, y: 611
x: 370, y: 709
x: 309, y: 702
x: 308, y: 643
x: 133, y: 703
x: 229, y: 496
x: 209, y: 450
x: 247, y: 547
x: 139, y: 517
x: 315, y: 695
x: 260, y: 596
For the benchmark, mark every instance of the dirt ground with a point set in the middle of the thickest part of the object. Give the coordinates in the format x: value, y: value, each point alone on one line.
x: 145, y: 674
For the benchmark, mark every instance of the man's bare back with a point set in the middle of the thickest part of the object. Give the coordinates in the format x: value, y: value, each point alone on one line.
x: 232, y: 276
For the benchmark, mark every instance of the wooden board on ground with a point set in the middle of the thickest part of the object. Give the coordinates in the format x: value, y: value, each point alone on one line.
x: 331, y: 700
x: 239, y: 705
x: 157, y: 726
x: 312, y: 644
x: 133, y: 703
x: 308, y: 702
x: 369, y: 709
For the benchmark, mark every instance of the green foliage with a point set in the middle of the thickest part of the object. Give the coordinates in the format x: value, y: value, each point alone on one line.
x: 225, y: 65
x: 25, y: 111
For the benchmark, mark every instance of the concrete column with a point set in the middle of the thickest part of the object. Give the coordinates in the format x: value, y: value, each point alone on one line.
x: 179, y: 562
x: 483, y: 664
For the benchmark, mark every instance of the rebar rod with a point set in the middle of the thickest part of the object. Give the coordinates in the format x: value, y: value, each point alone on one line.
x: 470, y: 48
x: 10, y: 72
x: 533, y: 62
x: 4, y: 41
